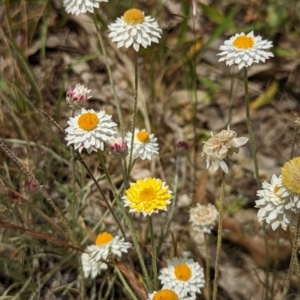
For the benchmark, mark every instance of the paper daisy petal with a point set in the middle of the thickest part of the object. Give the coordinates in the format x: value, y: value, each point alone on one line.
x: 90, y: 130
x: 107, y: 245
x: 145, y: 145
x: 182, y: 275
x: 276, y: 204
x: 147, y: 196
x: 76, y: 7
x: 134, y: 29
x: 91, y: 268
x: 244, y: 50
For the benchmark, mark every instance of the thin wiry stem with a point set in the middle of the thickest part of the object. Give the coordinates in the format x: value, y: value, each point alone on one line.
x: 250, y: 130
x: 125, y: 284
x: 133, y: 112
x: 110, y: 77
x: 41, y: 189
x: 173, y: 206
x: 128, y: 223
x: 219, y: 241
x: 258, y: 181
x: 153, y: 246
x: 207, y: 268
x: 293, y: 262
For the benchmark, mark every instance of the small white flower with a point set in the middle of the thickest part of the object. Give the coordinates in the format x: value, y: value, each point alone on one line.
x: 166, y: 294
x: 219, y: 146
x: 134, y: 29
x: 276, y: 205
x: 91, y: 268
x: 204, y: 217
x: 107, y: 245
x: 76, y: 7
x: 244, y: 50
x: 144, y: 144
x: 90, y: 130
x: 182, y: 275
x: 77, y: 96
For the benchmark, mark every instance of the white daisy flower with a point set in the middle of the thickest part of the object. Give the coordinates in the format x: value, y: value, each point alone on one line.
x: 244, y: 50
x: 90, y: 130
x: 134, y: 29
x: 144, y: 144
x: 275, y: 205
x: 204, y: 217
x: 219, y: 146
x: 91, y: 268
x: 182, y: 275
x: 77, y: 96
x: 76, y: 7
x: 167, y: 295
x: 106, y: 245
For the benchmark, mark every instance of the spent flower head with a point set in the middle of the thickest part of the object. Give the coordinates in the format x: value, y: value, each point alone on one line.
x: 90, y: 130
x: 204, y: 217
x: 77, y: 96
x: 276, y: 204
x: 219, y: 146
x: 183, y: 275
x: 134, y: 29
x: 76, y: 7
x: 144, y: 144
x: 244, y: 50
x: 147, y: 196
x: 167, y: 294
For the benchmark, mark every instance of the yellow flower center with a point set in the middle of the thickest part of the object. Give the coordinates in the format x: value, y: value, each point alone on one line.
x: 291, y: 175
x: 165, y: 295
x: 103, y: 238
x: 142, y: 136
x: 183, y: 272
x: 243, y: 42
x: 147, y: 194
x: 133, y: 16
x: 88, y: 121
x: 276, y: 189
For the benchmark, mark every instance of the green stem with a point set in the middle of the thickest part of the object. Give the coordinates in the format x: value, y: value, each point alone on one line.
x: 258, y: 181
x: 128, y: 223
x: 219, y: 241
x: 154, y: 265
x: 101, y: 192
x: 110, y: 77
x: 250, y: 130
x: 125, y: 284
x: 207, y: 268
x: 133, y: 112
x: 173, y: 206
x: 293, y: 261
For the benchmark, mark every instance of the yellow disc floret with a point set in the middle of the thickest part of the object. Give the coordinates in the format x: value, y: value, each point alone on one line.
x: 133, y: 16
x: 142, y: 136
x: 165, y: 295
x: 148, y: 195
x: 103, y: 238
x: 183, y: 272
x: 243, y: 42
x: 291, y: 175
x: 88, y: 121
